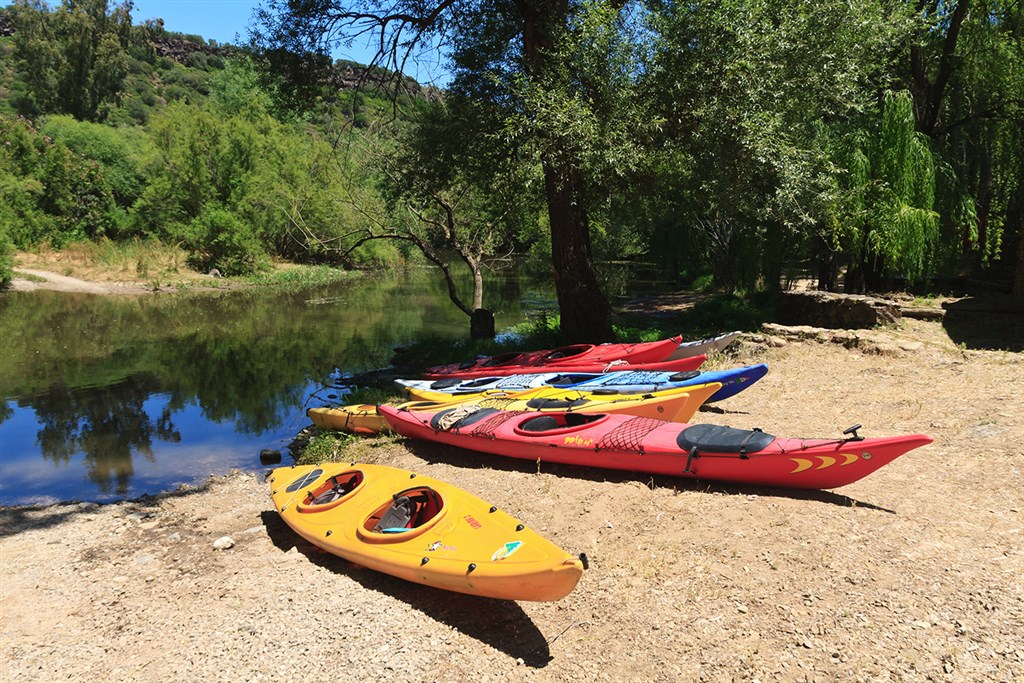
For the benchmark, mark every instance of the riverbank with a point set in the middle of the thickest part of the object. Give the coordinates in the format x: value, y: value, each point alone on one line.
x: 135, y: 269
x: 912, y: 574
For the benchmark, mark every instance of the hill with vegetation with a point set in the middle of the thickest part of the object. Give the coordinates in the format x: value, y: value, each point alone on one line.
x: 871, y: 146
x: 166, y: 137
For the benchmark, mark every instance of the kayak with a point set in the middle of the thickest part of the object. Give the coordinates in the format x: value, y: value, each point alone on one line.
x: 588, y: 354
x: 355, y: 418
x: 677, y: 365
x: 677, y: 405
x: 705, y: 346
x: 698, y: 451
x: 421, y: 529
x: 733, y: 381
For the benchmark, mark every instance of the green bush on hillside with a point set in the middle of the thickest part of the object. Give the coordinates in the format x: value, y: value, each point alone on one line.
x: 49, y: 192
x: 218, y: 239
x: 6, y: 253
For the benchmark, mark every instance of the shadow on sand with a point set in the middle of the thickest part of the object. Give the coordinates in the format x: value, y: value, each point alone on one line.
x: 502, y: 624
x: 459, y: 457
x: 991, y: 323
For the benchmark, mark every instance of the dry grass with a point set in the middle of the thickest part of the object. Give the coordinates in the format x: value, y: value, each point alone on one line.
x: 135, y: 261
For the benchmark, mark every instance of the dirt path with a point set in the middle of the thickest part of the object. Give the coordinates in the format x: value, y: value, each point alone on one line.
x: 44, y: 279
x: 913, y: 574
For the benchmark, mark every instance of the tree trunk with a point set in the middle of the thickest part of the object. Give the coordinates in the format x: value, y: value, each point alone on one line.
x: 585, y: 312
x: 828, y: 267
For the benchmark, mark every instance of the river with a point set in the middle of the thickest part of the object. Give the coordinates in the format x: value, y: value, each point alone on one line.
x: 111, y: 397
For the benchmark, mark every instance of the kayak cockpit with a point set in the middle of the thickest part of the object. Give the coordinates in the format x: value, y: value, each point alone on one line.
x: 332, y: 492
x: 558, y: 423
x: 564, y: 352
x: 556, y: 403
x: 408, y: 514
x: 501, y: 359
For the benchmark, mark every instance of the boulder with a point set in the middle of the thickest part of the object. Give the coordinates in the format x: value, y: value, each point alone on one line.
x: 835, y: 311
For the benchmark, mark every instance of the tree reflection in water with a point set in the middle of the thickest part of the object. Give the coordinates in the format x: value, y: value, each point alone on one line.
x: 107, y: 379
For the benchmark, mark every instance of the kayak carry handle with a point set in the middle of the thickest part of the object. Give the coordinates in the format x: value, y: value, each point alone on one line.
x: 689, y: 460
x: 853, y: 430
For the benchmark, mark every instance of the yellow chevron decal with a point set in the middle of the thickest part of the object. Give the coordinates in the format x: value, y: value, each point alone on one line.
x: 801, y: 464
x: 825, y: 461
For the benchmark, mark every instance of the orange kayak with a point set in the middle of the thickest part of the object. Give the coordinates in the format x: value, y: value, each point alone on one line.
x: 421, y: 529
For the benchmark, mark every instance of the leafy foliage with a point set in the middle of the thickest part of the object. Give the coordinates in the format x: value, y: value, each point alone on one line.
x: 6, y: 249
x: 73, y: 59
x: 730, y: 142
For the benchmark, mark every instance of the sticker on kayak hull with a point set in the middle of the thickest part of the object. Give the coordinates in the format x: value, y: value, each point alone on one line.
x: 505, y: 551
x: 437, y: 545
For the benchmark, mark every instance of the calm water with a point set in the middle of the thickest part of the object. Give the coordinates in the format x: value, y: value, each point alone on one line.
x: 103, y: 398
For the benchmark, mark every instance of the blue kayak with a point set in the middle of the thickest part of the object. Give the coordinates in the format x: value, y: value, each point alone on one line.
x: 733, y: 380
x: 623, y: 382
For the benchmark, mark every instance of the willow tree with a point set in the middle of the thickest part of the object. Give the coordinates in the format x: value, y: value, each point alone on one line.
x: 543, y: 66
x: 759, y: 96
x: 891, y: 224
x: 964, y: 65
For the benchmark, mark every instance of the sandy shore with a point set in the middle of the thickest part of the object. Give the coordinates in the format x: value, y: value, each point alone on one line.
x: 913, y: 574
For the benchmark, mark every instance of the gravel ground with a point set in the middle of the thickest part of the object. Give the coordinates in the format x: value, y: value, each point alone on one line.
x: 913, y: 574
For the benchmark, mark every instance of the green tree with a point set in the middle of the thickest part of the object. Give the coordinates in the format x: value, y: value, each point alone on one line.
x: 6, y: 251
x: 50, y: 192
x: 964, y: 65
x: 544, y: 66
x: 756, y: 97
x: 895, y: 225
x: 73, y: 59
x: 447, y: 197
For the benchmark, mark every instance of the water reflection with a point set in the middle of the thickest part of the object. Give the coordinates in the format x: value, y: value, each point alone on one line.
x: 110, y: 397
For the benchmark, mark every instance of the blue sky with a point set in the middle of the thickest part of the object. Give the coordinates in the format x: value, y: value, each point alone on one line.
x: 220, y: 20
x: 227, y: 21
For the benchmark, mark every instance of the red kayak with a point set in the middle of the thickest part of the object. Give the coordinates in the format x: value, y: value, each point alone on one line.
x: 575, y: 355
x: 642, y: 444
x: 679, y: 365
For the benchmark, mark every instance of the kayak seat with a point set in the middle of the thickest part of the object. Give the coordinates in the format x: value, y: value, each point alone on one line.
x: 397, y: 517
x: 566, y: 352
x: 445, y: 383
x: 707, y: 438
x: 572, y: 379
x: 338, y: 489
x: 410, y: 509
x: 540, y: 424
x: 439, y: 423
x: 554, y: 403
x: 683, y: 376
x: 500, y: 359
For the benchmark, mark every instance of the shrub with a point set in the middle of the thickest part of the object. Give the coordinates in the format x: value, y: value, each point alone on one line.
x: 218, y: 239
x: 6, y: 260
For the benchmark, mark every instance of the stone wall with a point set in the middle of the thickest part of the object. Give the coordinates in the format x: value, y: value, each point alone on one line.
x: 835, y: 311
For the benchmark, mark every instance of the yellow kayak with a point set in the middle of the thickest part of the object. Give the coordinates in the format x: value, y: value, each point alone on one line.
x: 421, y: 529
x: 674, y: 405
x: 358, y: 419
